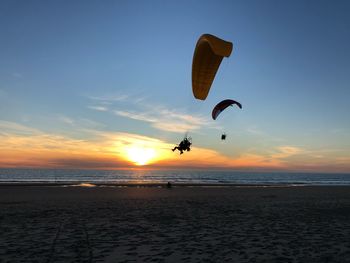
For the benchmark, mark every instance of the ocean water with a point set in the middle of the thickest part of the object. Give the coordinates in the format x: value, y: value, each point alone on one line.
x: 174, y: 176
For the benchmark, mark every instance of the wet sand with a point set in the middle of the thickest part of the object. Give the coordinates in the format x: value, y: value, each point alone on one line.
x: 182, y: 224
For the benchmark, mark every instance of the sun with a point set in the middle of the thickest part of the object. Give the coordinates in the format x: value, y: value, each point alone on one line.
x: 140, y: 155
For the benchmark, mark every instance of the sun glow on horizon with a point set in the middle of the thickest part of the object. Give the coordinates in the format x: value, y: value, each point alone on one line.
x: 140, y: 155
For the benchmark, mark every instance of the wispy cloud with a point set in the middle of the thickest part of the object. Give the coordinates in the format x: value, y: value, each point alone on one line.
x: 110, y: 98
x: 65, y: 119
x: 130, y: 97
x: 16, y: 128
x: 98, y: 108
x: 79, y: 123
x: 88, y: 123
x: 254, y: 131
x: 251, y: 160
x: 271, y: 159
x: 286, y: 151
x: 136, y: 116
x: 176, y: 127
x: 159, y: 116
x: 168, y: 120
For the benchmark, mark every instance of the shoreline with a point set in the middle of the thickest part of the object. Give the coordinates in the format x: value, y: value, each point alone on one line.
x: 159, y: 185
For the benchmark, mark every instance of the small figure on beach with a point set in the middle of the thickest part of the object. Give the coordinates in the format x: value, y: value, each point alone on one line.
x: 168, y: 185
x: 184, y: 145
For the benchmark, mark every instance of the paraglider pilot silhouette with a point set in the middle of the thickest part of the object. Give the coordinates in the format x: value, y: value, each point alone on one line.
x: 184, y: 145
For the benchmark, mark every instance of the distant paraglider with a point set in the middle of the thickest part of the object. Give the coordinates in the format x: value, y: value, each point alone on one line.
x: 208, y: 54
x: 223, y: 136
x: 221, y: 106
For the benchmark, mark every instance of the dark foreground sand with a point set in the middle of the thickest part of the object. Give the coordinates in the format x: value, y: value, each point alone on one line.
x: 182, y: 224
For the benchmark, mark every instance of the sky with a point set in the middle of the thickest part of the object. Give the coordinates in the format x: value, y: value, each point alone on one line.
x: 107, y: 85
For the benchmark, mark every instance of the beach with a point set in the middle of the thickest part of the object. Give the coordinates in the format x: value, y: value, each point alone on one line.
x: 150, y: 223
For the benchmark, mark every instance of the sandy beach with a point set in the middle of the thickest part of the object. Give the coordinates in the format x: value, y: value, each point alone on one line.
x: 182, y: 224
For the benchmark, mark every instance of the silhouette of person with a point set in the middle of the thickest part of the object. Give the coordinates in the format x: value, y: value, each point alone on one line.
x: 184, y: 145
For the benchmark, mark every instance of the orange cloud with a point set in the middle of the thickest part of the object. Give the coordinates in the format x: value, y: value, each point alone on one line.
x: 286, y: 151
x: 22, y: 146
x: 108, y: 150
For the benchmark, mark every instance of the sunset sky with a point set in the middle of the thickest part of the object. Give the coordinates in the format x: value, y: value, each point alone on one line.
x: 107, y: 84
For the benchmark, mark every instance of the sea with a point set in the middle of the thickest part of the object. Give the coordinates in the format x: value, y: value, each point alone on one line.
x: 173, y: 176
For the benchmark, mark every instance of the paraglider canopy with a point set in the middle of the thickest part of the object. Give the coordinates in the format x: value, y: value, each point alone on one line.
x: 207, y: 58
x: 221, y: 106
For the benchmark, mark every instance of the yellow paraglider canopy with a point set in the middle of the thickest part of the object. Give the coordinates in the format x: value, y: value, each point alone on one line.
x: 207, y: 58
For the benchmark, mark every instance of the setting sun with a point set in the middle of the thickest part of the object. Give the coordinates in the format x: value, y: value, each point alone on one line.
x: 140, y: 155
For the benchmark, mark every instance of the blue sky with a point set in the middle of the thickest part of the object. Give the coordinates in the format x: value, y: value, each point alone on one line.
x: 70, y: 68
